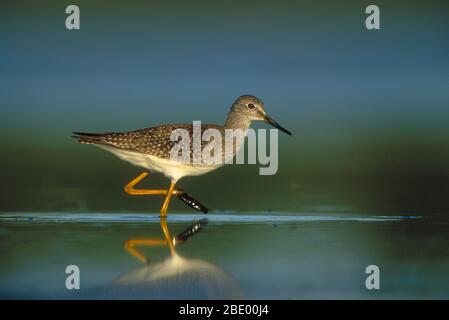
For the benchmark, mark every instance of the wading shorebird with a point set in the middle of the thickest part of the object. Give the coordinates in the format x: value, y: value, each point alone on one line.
x: 150, y: 148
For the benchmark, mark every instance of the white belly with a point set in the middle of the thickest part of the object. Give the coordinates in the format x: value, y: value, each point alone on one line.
x: 172, y: 169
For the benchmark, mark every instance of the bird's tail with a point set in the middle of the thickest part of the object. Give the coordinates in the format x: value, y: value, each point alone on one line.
x: 89, y: 138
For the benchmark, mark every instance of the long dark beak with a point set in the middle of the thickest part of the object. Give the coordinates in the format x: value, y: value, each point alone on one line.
x: 269, y: 120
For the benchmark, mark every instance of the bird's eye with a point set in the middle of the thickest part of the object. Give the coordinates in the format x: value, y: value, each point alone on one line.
x: 251, y: 106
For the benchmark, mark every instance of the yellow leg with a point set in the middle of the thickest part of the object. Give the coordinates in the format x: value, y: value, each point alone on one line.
x: 167, y: 199
x: 129, y: 188
x: 163, y: 217
x: 130, y: 244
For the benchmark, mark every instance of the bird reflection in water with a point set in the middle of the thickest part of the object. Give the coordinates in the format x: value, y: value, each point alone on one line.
x: 176, y: 277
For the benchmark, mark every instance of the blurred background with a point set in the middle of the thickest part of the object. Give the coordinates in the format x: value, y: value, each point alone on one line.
x: 369, y: 110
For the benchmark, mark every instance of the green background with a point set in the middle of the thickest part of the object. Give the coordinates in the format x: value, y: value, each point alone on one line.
x: 369, y: 110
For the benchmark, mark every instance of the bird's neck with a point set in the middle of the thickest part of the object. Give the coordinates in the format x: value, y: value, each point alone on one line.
x: 237, y: 121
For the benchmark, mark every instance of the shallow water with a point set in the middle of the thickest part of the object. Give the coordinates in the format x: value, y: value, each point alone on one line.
x: 260, y: 255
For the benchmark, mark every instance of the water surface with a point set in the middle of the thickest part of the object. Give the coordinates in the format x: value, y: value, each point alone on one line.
x: 253, y: 255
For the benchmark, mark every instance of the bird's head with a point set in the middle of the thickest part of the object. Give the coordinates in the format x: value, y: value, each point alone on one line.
x: 253, y: 109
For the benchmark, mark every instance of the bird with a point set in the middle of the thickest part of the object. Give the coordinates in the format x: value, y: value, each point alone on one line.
x: 150, y: 148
